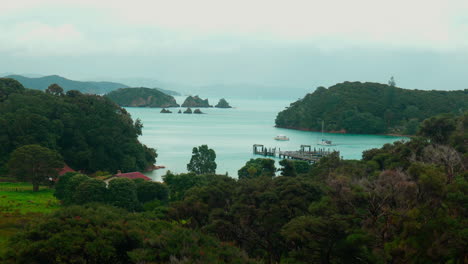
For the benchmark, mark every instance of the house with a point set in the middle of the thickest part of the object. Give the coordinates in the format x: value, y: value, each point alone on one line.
x: 128, y: 175
x: 64, y: 170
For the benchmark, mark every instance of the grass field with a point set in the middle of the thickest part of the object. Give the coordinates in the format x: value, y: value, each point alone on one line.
x: 19, y: 205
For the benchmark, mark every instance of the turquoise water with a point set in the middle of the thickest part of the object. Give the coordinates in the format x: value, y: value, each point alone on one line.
x: 231, y: 133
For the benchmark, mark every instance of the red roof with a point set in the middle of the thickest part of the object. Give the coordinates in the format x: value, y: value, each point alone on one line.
x: 133, y: 175
x: 64, y: 170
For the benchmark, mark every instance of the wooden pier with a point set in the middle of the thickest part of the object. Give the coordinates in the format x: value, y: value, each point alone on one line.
x: 259, y: 149
x: 306, y: 153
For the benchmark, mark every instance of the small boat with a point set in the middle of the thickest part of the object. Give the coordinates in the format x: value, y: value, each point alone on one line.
x: 281, y: 138
x: 325, y: 142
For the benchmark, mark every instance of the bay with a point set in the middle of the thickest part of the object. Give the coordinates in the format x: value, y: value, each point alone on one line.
x: 232, y: 133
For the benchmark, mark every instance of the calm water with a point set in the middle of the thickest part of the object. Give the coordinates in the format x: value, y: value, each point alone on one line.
x: 231, y: 133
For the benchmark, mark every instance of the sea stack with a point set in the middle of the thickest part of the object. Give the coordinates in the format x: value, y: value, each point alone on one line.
x: 223, y: 104
x: 195, y: 101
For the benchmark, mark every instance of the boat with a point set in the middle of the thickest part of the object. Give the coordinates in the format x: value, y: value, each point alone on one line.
x: 324, y: 141
x: 281, y: 138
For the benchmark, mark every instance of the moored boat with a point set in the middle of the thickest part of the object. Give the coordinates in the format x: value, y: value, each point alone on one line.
x: 281, y: 138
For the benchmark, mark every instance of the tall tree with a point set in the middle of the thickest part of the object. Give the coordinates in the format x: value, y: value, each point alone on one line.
x: 203, y: 160
x: 35, y: 163
x: 54, y: 89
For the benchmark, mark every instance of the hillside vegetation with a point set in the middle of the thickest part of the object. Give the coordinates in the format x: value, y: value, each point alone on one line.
x: 42, y: 83
x: 89, y: 87
x: 91, y: 132
x: 142, y: 97
x: 368, y: 108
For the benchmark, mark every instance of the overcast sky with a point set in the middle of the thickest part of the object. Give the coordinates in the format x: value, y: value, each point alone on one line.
x: 423, y: 43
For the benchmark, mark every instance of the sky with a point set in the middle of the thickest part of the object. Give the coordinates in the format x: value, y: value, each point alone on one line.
x: 292, y: 44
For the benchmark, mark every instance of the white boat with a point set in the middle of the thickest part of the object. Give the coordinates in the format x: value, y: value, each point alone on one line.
x: 281, y: 138
x: 324, y: 141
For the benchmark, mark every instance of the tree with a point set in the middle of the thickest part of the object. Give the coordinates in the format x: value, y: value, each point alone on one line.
x: 149, y: 191
x: 90, y: 191
x: 9, y: 86
x: 288, y: 168
x: 122, y: 193
x: 392, y: 82
x: 35, y: 163
x: 202, y: 161
x: 256, y: 168
x: 54, y: 89
x: 105, y: 234
x: 62, y: 185
x: 438, y: 128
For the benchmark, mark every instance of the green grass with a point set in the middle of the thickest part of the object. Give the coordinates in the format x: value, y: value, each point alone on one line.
x: 19, y: 205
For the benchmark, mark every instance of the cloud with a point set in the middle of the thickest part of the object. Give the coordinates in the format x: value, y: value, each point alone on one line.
x: 161, y: 26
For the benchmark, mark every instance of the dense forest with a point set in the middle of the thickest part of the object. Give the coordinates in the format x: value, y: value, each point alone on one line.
x: 90, y: 132
x: 369, y: 108
x: 403, y: 203
x: 142, y: 97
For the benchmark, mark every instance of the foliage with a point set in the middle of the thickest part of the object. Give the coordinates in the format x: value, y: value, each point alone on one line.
x: 356, y: 107
x: 438, y: 128
x: 202, y: 161
x: 100, y: 234
x: 67, y: 185
x: 402, y: 203
x: 35, y: 163
x: 288, y: 168
x: 54, y: 89
x: 257, y: 168
x: 142, y: 97
x: 91, y: 190
x: 148, y: 191
x: 123, y: 193
x: 90, y: 132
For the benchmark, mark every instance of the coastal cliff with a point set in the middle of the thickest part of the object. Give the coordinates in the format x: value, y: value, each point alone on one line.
x: 142, y: 97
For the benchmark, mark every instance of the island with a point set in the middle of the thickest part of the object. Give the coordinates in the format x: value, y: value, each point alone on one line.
x: 198, y: 111
x: 223, y: 104
x: 369, y: 108
x: 195, y: 101
x: 165, y: 111
x: 188, y: 111
x: 142, y: 97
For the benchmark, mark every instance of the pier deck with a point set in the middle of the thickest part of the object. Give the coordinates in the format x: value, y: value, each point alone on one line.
x: 306, y: 153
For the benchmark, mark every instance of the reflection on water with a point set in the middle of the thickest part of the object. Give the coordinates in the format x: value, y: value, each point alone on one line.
x: 231, y: 133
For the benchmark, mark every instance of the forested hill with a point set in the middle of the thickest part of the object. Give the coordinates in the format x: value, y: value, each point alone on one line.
x: 91, y: 132
x: 368, y: 108
x: 142, y: 97
x: 89, y: 87
x: 42, y: 83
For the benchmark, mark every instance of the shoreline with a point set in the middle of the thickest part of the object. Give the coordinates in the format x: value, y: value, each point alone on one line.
x: 344, y: 132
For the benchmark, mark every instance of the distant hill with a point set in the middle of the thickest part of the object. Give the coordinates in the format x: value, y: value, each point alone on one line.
x: 142, y: 97
x: 42, y: 83
x: 90, y: 87
x: 147, y: 82
x: 369, y: 108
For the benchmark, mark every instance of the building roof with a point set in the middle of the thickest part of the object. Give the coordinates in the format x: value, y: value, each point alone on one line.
x: 132, y: 176
x: 64, y: 170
